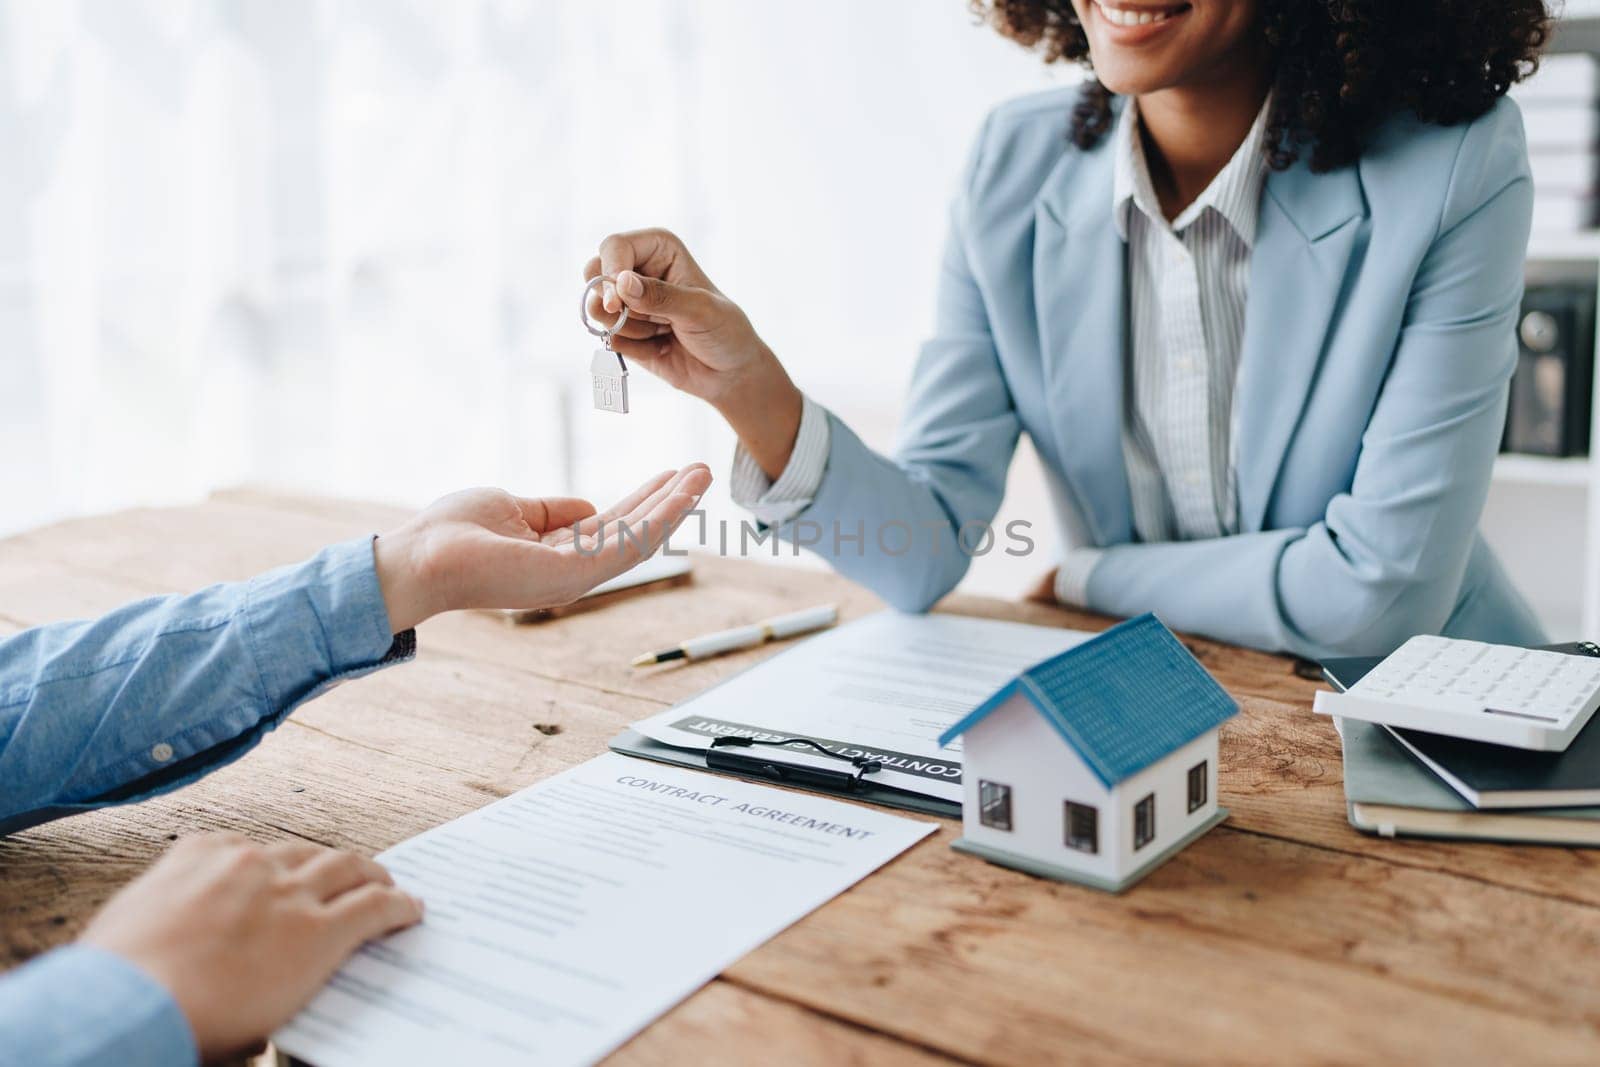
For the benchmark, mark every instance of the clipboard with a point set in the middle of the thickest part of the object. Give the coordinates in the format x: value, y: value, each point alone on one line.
x: 772, y: 765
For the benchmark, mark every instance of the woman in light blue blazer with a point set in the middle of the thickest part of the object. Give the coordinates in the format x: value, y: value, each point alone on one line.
x: 1251, y: 292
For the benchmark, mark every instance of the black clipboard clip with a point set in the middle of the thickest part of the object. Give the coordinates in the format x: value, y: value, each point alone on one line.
x: 720, y: 757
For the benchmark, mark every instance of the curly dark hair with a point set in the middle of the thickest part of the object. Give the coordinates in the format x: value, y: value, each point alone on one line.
x: 1340, y: 67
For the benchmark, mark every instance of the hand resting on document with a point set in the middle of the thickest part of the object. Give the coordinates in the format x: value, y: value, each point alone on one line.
x: 243, y: 935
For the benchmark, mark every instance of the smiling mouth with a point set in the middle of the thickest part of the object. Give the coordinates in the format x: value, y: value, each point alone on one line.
x: 1130, y: 15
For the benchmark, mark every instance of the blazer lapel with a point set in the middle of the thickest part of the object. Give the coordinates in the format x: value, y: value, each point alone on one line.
x: 1305, y: 237
x: 1080, y: 302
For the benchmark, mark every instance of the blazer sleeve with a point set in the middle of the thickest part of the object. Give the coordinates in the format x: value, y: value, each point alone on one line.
x: 896, y: 525
x: 1388, y: 558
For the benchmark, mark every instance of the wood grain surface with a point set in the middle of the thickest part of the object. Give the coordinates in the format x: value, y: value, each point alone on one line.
x: 1282, y: 937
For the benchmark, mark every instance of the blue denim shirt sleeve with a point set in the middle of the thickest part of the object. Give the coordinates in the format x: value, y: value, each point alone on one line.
x: 141, y: 702
x: 162, y: 691
x: 83, y: 1007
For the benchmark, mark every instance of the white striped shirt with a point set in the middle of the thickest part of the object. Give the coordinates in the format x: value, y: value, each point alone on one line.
x: 775, y: 503
x: 1187, y: 281
x: 1187, y: 284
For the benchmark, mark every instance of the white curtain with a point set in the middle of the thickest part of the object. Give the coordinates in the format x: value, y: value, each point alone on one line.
x: 336, y: 245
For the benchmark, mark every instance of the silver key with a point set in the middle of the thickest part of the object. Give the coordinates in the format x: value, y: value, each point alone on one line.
x: 606, y: 369
x: 610, y: 376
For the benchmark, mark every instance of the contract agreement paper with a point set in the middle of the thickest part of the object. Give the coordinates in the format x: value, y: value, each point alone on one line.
x: 564, y: 918
x: 883, y: 687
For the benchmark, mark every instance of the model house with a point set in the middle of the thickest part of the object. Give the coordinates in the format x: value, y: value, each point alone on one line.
x: 1098, y: 764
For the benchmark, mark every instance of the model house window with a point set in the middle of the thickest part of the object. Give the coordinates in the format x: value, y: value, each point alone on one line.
x: 994, y: 805
x: 1144, y: 821
x: 1083, y: 827
x: 1197, y: 786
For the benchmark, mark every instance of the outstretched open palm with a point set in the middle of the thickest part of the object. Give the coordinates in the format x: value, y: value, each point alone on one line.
x: 487, y: 548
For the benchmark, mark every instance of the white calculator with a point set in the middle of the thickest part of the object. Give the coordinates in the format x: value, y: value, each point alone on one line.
x: 1502, y: 694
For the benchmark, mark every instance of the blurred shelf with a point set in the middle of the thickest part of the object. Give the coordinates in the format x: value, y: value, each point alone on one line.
x: 1565, y: 472
x: 1579, y: 33
x: 1551, y: 246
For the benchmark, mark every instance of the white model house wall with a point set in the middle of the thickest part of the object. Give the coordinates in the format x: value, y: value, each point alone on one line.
x: 1015, y: 746
x: 1168, y: 779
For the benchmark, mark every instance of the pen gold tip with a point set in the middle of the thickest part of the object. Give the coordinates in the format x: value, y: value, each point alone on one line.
x: 645, y: 660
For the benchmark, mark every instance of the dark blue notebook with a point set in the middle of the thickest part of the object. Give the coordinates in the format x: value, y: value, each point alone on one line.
x: 1495, y: 776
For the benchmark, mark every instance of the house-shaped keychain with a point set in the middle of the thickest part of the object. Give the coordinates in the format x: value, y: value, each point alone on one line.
x: 1098, y: 764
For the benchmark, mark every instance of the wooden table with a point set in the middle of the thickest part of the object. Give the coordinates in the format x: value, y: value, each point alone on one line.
x: 1282, y: 937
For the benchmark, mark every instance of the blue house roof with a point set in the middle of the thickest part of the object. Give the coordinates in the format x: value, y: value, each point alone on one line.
x: 1123, y: 699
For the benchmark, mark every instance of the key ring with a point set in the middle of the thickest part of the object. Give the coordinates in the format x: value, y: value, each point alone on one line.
x: 605, y: 335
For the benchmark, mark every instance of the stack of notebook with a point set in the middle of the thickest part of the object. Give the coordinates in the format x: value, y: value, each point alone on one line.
x: 1410, y: 783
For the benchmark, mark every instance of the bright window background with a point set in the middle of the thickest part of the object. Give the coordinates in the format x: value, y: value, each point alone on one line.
x: 335, y: 246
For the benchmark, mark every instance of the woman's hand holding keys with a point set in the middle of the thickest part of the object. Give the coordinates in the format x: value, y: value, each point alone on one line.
x: 685, y: 331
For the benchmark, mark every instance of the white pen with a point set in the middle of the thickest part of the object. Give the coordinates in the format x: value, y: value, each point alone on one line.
x: 760, y: 633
